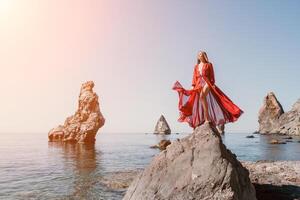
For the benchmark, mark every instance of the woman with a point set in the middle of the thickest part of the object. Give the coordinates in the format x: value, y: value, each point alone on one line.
x: 205, y: 102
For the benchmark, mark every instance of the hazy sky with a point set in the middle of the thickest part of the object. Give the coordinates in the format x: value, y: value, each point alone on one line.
x: 134, y: 51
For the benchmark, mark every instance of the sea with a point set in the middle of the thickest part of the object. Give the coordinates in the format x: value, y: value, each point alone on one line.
x: 33, y: 168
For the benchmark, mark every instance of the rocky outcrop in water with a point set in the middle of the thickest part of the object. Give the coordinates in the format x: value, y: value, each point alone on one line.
x: 198, y: 166
x: 162, y: 145
x: 269, y: 113
x: 162, y: 126
x: 276, y: 141
x: 81, y: 127
x: 272, y: 118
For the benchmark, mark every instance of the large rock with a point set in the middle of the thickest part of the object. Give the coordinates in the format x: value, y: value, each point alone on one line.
x: 272, y: 118
x: 269, y: 114
x: 198, y: 166
x: 275, y: 180
x: 81, y: 127
x: 162, y: 126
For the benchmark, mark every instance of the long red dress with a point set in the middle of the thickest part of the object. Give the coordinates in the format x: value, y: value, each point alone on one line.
x: 221, y: 109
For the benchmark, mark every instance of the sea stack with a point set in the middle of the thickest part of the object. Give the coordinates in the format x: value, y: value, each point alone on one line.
x: 269, y: 113
x: 198, y: 166
x: 272, y: 118
x: 162, y: 126
x: 81, y: 127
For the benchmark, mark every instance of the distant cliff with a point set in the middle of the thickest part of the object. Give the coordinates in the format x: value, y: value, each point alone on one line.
x: 273, y: 119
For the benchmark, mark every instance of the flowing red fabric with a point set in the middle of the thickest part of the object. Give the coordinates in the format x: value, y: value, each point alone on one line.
x: 221, y: 109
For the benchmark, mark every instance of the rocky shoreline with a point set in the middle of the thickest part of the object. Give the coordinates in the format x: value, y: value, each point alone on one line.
x: 276, y: 180
x: 200, y: 166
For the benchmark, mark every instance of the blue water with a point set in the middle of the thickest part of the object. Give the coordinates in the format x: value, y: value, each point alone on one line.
x: 32, y: 168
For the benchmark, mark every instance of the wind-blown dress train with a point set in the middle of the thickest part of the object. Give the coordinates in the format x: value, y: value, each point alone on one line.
x: 221, y: 109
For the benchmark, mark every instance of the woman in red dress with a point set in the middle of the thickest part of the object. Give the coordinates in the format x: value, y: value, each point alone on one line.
x: 205, y: 102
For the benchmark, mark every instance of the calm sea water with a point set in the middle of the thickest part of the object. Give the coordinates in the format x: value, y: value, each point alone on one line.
x: 32, y: 168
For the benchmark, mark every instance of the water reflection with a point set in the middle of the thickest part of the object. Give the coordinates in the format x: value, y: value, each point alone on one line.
x: 160, y: 137
x: 81, y: 162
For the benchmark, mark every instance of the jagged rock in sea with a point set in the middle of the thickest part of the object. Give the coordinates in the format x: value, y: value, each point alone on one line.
x: 81, y: 127
x: 272, y: 118
x: 198, y: 166
x: 162, y: 126
x: 269, y: 113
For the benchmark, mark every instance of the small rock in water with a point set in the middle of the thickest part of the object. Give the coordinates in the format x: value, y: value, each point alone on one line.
x: 250, y: 136
x: 162, y: 145
x: 275, y: 141
x: 288, y: 138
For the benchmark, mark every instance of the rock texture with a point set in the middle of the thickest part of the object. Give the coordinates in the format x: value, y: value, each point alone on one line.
x: 275, y: 180
x: 162, y: 126
x: 272, y: 118
x: 289, y: 122
x: 198, y: 166
x: 221, y: 128
x: 269, y: 114
x: 81, y: 127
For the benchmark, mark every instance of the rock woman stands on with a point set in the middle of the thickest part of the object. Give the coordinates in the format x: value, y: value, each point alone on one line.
x: 205, y: 102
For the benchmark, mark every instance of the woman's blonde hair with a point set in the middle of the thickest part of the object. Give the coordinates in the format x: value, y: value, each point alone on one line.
x: 204, y: 55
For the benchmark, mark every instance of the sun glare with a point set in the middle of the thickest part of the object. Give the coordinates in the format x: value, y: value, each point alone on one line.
x: 5, y: 5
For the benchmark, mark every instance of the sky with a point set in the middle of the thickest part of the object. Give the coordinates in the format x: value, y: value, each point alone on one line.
x: 134, y: 51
